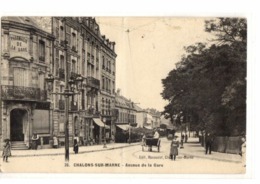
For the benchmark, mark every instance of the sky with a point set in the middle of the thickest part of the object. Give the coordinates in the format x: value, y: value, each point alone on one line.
x: 147, y: 50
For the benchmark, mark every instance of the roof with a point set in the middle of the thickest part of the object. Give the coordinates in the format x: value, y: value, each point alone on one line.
x: 139, y: 109
x: 42, y: 24
x: 24, y: 20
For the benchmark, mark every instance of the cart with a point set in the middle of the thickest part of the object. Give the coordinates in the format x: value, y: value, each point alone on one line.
x: 150, y: 142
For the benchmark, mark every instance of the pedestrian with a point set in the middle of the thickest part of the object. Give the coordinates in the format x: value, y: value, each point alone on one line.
x: 186, y: 138
x: 182, y: 141
x: 76, y: 144
x: 35, y: 140
x: 143, y: 140
x: 243, y: 151
x: 6, y: 150
x: 174, y: 148
x: 209, y: 141
x: 55, y: 142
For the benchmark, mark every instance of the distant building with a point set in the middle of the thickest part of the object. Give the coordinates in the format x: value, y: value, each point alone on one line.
x: 126, y: 112
x: 155, y: 120
x: 141, y: 116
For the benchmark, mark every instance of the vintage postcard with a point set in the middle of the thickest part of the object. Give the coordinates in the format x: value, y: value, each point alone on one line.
x: 146, y: 95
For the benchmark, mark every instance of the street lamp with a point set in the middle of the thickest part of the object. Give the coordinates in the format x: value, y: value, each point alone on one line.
x: 68, y: 91
x: 105, y: 141
x: 181, y: 120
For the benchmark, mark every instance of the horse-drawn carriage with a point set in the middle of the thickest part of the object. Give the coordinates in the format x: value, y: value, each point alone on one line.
x: 150, y: 142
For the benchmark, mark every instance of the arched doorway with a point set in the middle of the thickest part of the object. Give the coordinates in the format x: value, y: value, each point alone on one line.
x: 18, y: 119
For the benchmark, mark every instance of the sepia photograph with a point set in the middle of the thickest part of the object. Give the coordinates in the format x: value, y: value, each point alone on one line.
x: 100, y: 94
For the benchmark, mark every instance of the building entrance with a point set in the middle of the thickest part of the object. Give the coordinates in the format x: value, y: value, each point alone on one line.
x: 18, y: 118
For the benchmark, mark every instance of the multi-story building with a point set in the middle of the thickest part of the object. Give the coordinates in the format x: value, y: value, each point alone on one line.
x: 74, y: 47
x: 141, y: 116
x: 154, y: 115
x: 126, y: 112
x: 26, y: 59
x: 80, y: 46
x: 108, y: 77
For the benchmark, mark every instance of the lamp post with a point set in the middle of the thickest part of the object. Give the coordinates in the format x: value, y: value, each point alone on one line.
x: 181, y: 120
x: 105, y: 141
x: 71, y: 85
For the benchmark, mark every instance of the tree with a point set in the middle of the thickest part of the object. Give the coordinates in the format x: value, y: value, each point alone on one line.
x: 208, y: 83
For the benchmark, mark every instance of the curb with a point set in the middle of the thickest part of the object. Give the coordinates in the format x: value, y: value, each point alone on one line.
x: 211, y: 158
x: 82, y: 152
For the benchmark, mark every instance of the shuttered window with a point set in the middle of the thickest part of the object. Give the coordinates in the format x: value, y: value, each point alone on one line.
x: 21, y: 77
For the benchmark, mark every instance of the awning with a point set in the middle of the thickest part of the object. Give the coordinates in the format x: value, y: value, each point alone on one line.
x: 123, y: 127
x: 100, y: 123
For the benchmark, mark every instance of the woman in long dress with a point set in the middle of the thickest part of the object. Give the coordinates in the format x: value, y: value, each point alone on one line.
x: 6, y: 150
x: 76, y: 144
x: 174, y: 148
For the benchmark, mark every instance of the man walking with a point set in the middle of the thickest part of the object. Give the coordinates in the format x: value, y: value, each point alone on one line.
x: 209, y: 141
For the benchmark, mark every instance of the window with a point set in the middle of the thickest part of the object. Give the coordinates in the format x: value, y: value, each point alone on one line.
x: 41, y: 51
x: 62, y: 64
x: 103, y: 82
x: 61, y: 33
x: 88, y: 57
x: 74, y: 42
x: 40, y: 123
x: 21, y: 77
x: 83, y: 63
x: 103, y: 62
x: 73, y: 69
x: 83, y: 99
x: 92, y: 59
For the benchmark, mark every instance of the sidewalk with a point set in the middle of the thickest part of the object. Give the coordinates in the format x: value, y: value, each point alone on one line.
x: 194, y: 149
x: 61, y: 151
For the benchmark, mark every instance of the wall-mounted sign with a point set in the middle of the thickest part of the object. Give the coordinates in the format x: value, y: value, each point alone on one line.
x: 19, y: 43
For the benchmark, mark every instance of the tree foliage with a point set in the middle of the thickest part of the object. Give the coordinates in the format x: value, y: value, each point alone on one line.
x: 208, y: 85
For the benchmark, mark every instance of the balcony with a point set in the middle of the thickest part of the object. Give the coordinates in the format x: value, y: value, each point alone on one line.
x: 61, y: 73
x: 93, y: 83
x: 23, y: 93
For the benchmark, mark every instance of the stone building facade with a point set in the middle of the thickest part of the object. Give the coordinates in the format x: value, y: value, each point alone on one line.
x: 90, y: 55
x: 74, y: 47
x: 26, y: 59
x: 126, y: 112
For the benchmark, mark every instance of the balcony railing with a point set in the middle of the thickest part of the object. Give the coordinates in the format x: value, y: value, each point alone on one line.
x: 23, y: 93
x: 92, y: 82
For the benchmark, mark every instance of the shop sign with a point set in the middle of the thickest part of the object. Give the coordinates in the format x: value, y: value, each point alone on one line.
x: 19, y: 43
